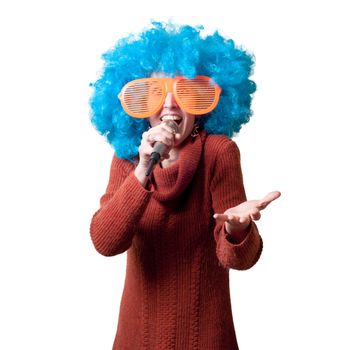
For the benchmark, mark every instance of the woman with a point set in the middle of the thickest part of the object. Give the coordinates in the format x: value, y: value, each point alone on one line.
x: 184, y: 225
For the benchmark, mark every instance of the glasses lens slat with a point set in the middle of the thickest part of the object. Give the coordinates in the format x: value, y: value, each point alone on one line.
x: 197, y: 95
x: 142, y: 97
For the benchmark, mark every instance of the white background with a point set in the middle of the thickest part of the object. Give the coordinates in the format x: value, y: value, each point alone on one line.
x: 57, y: 292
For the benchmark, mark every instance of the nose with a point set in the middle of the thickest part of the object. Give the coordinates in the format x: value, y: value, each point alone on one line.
x: 170, y: 101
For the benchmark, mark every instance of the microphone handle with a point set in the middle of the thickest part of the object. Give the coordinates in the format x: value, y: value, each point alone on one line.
x: 158, y: 151
x: 159, y: 148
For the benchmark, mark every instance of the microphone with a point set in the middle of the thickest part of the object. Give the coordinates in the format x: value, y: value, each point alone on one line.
x: 159, y: 148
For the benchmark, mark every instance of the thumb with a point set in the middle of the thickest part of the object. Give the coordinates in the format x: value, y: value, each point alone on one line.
x: 263, y: 203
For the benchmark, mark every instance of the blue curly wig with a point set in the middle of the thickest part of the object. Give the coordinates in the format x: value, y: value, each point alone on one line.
x: 173, y: 50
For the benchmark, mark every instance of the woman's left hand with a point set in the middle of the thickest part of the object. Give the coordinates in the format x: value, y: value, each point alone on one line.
x: 238, y: 218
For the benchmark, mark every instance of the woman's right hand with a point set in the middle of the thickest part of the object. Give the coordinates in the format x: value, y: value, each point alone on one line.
x: 159, y: 133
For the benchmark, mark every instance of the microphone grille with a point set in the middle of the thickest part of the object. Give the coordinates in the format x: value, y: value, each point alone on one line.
x: 172, y: 124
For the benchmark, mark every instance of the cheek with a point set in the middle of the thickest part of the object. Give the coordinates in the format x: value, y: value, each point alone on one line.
x: 154, y: 120
x: 186, y: 130
x: 189, y: 125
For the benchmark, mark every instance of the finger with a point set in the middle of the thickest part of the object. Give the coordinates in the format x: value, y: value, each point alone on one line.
x: 263, y: 203
x: 165, y: 129
x: 177, y: 137
x: 234, y: 218
x: 244, y: 219
x: 231, y: 219
x: 255, y: 215
x: 168, y: 128
x: 162, y: 129
x: 163, y: 138
x: 145, y: 135
x: 146, y: 149
x: 220, y: 217
x: 165, y: 156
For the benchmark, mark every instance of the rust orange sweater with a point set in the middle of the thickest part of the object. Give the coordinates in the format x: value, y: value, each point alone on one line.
x: 176, y: 293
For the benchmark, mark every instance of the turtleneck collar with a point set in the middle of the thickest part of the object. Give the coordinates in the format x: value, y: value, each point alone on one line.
x: 168, y: 183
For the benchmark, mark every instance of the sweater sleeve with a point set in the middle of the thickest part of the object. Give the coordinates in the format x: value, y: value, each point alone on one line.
x: 227, y: 191
x: 114, y: 224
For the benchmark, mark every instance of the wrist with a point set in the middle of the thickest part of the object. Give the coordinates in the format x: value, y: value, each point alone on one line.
x: 140, y: 174
x: 237, y: 234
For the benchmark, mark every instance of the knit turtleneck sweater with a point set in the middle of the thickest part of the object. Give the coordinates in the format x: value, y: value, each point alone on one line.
x: 176, y: 293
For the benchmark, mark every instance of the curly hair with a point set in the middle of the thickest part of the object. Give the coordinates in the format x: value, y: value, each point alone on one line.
x: 173, y: 50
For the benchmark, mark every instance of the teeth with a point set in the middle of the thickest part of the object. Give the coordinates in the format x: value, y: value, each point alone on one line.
x: 171, y: 117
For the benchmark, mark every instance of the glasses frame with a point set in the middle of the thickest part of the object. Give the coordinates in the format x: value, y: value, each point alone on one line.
x: 168, y: 85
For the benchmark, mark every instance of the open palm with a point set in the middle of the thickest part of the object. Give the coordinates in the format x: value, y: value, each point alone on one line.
x: 240, y: 216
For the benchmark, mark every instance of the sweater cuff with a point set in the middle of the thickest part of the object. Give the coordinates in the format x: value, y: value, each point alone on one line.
x: 243, y: 255
x: 137, y: 185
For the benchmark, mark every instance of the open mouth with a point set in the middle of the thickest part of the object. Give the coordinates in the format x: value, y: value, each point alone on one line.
x: 174, y: 117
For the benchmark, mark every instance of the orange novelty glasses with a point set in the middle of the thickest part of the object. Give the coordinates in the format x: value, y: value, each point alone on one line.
x: 142, y: 98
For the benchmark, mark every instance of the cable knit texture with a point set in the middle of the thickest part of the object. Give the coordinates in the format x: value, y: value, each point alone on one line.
x: 176, y: 293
